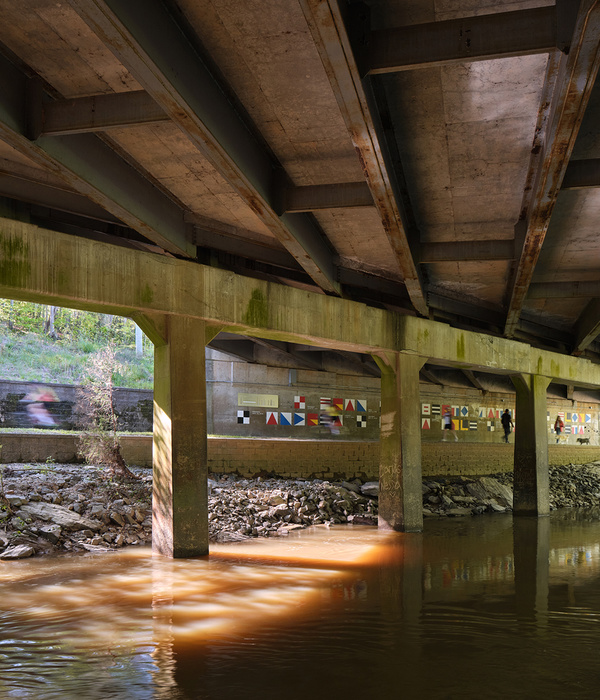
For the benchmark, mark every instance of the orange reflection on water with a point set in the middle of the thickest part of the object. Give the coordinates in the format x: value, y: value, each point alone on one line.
x: 130, y: 598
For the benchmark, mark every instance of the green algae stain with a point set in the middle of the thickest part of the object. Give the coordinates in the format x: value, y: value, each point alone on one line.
x: 146, y: 295
x: 540, y: 365
x: 257, y: 313
x: 15, y: 268
x: 460, y: 347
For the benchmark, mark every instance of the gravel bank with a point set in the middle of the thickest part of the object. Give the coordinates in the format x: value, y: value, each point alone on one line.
x: 60, y: 508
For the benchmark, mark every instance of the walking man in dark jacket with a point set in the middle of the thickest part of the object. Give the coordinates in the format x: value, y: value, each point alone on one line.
x: 507, y: 424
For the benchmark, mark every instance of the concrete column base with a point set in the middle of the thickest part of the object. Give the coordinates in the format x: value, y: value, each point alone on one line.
x: 400, y: 492
x: 531, y: 481
x: 179, y: 456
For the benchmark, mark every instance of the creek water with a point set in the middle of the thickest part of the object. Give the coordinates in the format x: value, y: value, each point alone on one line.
x: 470, y: 608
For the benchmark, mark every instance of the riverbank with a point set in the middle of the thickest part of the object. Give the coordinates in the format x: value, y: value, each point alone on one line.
x: 53, y: 508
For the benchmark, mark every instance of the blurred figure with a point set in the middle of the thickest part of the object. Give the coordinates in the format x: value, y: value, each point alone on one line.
x: 332, y: 420
x: 448, y: 426
x: 36, y: 406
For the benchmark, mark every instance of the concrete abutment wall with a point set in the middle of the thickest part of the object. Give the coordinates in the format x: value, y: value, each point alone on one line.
x: 299, y: 458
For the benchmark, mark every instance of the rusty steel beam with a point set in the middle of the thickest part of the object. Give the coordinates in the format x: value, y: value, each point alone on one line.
x: 99, y: 113
x: 582, y: 173
x: 563, y: 290
x: 338, y: 196
x: 478, y: 38
x: 147, y: 38
x: 328, y: 27
x: 88, y: 165
x: 460, y: 251
x: 587, y: 327
x: 576, y: 76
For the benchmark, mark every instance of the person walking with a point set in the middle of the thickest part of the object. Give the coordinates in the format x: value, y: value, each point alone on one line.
x: 448, y: 425
x: 559, y: 426
x: 507, y: 424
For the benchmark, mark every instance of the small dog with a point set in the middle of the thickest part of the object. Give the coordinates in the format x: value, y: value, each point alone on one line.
x: 583, y: 441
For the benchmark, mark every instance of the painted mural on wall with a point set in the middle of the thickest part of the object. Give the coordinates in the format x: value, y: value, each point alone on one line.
x: 465, y: 418
x: 334, y: 413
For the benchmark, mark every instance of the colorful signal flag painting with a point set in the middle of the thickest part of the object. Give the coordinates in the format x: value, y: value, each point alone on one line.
x: 285, y: 418
x: 435, y: 409
x: 325, y: 403
x: 299, y: 419
x: 299, y: 402
x: 361, y: 405
x: 272, y: 418
x: 243, y: 417
x: 426, y: 409
x: 425, y: 424
x: 350, y: 405
x: 338, y: 404
x: 312, y: 419
x: 361, y: 421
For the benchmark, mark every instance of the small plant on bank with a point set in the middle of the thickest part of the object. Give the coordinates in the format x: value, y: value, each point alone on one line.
x: 99, y: 442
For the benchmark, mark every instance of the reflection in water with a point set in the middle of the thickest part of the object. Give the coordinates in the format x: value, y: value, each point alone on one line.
x: 470, y: 608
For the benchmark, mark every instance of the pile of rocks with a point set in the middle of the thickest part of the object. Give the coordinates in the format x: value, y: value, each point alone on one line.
x: 47, y: 508
x: 52, y: 508
x: 571, y: 486
x: 240, y: 508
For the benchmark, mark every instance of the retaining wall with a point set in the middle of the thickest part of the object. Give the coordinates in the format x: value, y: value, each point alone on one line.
x: 299, y: 458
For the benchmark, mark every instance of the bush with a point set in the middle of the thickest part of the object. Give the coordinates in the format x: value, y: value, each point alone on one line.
x: 99, y: 442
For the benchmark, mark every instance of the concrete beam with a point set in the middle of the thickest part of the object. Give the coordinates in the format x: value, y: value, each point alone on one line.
x: 356, y: 102
x: 99, y: 113
x: 45, y: 195
x: 587, y: 327
x: 315, y: 197
x: 89, y: 166
x: 581, y: 174
x: 146, y: 37
x: 54, y: 268
x: 478, y: 38
x: 576, y: 76
x: 473, y: 379
x: 460, y: 251
x: 562, y: 290
x: 431, y: 377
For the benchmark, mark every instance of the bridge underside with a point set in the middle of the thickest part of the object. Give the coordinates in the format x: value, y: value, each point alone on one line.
x: 394, y: 186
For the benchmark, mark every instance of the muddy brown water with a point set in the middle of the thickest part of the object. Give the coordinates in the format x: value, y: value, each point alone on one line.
x: 471, y: 608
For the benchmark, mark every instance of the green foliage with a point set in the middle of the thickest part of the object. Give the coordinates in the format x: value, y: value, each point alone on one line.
x: 27, y: 353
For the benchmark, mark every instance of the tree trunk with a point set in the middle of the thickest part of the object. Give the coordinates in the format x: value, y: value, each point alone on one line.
x: 49, y: 324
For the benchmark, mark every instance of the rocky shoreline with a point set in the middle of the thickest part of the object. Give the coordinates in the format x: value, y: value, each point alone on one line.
x: 46, y: 509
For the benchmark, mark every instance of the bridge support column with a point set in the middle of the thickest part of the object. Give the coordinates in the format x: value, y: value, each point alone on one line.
x: 400, y: 492
x: 531, y: 481
x: 179, y: 455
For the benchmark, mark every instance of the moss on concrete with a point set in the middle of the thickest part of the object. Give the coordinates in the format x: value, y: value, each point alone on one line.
x: 257, y: 314
x: 15, y: 268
